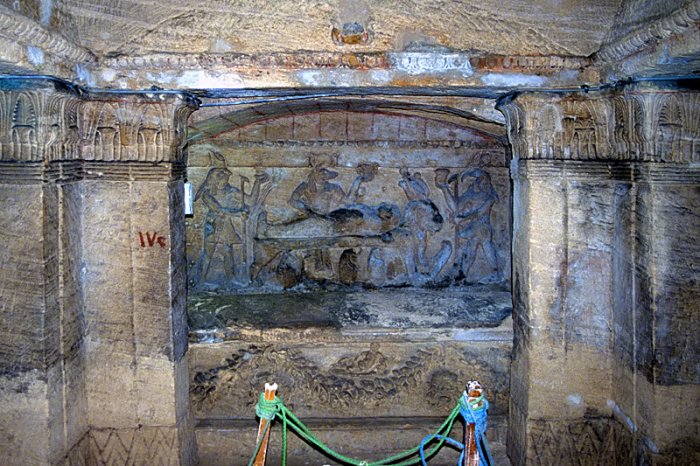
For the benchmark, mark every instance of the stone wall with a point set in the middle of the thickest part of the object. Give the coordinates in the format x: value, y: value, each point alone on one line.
x: 601, y: 362
x: 605, y: 289
x: 94, y: 368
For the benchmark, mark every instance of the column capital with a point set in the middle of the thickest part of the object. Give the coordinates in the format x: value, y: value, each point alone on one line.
x: 33, y: 120
x: 43, y: 120
x: 640, y: 122
x: 133, y: 127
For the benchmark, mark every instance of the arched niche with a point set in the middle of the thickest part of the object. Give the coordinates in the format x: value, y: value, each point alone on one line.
x: 372, y: 193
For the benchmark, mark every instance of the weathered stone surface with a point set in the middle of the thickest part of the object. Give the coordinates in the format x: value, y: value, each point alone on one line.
x: 360, y: 374
x: 24, y: 433
x: 22, y: 278
x: 271, y: 27
x: 26, y: 43
x: 605, y: 288
x: 101, y: 347
x: 592, y: 272
x: 132, y: 325
x: 651, y: 38
x: 218, y: 316
x: 370, y: 213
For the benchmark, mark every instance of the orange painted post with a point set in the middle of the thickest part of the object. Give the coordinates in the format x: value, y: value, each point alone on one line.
x: 270, y: 391
x: 471, y: 453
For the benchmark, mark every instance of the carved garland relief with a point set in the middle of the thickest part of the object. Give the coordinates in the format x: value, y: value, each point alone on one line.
x: 369, y: 381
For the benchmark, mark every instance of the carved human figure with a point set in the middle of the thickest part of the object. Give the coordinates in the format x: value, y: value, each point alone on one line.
x: 473, y: 214
x: 225, y: 225
x: 422, y: 218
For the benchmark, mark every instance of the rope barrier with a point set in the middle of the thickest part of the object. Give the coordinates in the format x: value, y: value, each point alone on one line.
x: 473, y: 411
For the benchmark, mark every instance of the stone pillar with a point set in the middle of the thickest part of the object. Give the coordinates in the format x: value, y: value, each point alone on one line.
x: 134, y: 279
x: 604, y: 280
x: 42, y: 397
x: 93, y: 366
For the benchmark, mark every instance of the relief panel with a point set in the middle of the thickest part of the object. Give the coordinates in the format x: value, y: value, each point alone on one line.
x: 290, y: 215
x: 347, y: 379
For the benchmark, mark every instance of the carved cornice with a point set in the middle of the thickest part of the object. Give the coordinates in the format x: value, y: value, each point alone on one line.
x: 678, y: 22
x: 322, y: 60
x: 29, y: 33
x: 44, y: 125
x: 638, y: 123
x: 427, y: 144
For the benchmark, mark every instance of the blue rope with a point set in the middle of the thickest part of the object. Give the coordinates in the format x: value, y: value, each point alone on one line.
x: 429, y: 438
x: 477, y: 416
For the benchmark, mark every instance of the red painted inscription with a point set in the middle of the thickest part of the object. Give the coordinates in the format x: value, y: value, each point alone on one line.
x: 150, y: 240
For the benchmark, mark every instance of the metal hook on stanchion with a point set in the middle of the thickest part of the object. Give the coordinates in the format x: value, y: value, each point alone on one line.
x: 263, y: 428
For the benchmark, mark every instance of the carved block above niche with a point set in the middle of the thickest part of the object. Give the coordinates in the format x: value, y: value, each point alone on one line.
x: 343, y: 199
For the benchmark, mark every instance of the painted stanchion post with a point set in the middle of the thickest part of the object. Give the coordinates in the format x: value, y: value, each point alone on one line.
x: 270, y: 390
x: 471, y: 453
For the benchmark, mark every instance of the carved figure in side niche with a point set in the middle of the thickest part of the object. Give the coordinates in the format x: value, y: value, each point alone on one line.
x: 226, y: 234
x: 472, y: 211
x: 365, y: 363
x: 422, y: 218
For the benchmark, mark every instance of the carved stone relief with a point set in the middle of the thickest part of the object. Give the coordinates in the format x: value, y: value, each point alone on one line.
x: 133, y: 130
x: 637, y: 124
x: 350, y: 379
x: 32, y: 125
x: 369, y: 221
x: 38, y: 125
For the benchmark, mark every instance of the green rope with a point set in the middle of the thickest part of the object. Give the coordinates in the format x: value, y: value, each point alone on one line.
x: 267, y: 409
x: 270, y: 409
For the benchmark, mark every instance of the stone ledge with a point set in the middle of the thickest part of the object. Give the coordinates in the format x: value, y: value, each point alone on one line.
x: 469, y: 313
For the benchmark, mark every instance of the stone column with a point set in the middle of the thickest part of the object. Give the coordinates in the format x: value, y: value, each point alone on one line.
x: 42, y: 398
x: 134, y: 279
x: 599, y: 180
x: 93, y: 365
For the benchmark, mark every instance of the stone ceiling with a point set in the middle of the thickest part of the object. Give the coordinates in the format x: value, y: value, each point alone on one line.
x: 507, y: 27
x: 188, y: 44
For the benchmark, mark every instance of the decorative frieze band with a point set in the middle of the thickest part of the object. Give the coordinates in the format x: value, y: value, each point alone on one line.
x: 332, y: 60
x: 640, y: 123
x: 637, y: 123
x: 39, y: 124
x: 67, y: 171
